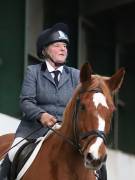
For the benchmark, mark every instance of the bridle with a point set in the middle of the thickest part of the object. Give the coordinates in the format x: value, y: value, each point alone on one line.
x: 78, y: 136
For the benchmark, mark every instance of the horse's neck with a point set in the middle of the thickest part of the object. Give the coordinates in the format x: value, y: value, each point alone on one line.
x: 60, y: 142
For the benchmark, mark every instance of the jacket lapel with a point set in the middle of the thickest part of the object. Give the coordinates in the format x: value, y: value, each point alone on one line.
x: 46, y: 73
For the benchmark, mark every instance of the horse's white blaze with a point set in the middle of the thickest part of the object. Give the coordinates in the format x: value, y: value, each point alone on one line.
x: 99, y: 98
x: 101, y: 123
x: 95, y: 147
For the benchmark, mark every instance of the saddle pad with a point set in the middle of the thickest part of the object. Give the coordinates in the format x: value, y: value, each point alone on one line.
x: 35, y: 152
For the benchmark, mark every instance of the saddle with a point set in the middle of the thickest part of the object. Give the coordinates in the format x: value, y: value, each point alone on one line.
x: 21, y: 157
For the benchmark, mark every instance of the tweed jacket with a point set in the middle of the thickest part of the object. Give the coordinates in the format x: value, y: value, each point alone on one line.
x: 40, y: 94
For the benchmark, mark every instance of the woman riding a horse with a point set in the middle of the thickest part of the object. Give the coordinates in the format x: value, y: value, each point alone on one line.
x: 47, y: 89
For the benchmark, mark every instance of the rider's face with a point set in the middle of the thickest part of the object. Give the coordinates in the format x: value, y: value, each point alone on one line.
x: 57, y: 52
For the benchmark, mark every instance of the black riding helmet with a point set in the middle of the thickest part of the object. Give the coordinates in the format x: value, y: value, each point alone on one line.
x: 58, y: 33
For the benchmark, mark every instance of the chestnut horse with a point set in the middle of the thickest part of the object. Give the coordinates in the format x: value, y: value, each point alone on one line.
x: 78, y: 148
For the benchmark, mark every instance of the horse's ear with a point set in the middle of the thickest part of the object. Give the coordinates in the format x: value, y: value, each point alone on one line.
x: 116, y: 80
x: 85, y: 73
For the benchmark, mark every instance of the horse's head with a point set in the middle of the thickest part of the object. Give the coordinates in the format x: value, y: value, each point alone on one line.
x: 92, y: 114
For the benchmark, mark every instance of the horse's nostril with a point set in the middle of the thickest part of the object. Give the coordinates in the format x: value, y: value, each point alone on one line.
x: 96, y: 163
x: 89, y: 156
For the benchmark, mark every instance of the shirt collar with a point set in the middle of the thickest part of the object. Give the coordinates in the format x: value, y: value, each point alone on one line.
x: 51, y: 69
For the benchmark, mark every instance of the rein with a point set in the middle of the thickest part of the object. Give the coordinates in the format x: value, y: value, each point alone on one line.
x: 69, y: 140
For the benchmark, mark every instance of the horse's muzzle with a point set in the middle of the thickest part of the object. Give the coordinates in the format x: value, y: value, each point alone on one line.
x: 91, y: 163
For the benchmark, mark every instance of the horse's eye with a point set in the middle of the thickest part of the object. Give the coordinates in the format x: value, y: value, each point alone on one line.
x: 82, y: 107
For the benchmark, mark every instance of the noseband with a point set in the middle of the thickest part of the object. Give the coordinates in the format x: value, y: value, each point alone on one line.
x: 82, y: 135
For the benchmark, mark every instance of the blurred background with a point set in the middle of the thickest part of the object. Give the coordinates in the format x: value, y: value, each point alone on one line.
x: 101, y: 32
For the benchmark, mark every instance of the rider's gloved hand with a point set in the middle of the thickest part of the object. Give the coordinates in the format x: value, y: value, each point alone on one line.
x: 47, y: 119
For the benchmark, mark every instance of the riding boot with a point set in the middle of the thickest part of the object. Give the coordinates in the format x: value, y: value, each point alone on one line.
x: 5, y: 169
x: 102, y: 173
